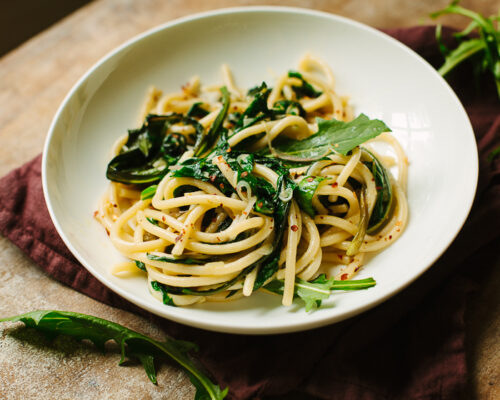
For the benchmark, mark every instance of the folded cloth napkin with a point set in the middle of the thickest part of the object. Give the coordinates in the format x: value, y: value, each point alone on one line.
x: 410, y: 347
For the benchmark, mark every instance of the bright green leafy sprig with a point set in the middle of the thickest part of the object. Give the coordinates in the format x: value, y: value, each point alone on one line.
x: 486, y: 46
x: 132, y: 344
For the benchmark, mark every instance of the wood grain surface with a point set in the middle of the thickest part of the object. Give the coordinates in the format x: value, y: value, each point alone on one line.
x: 34, y: 79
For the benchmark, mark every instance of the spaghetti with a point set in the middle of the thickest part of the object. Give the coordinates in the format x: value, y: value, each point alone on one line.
x: 222, y: 193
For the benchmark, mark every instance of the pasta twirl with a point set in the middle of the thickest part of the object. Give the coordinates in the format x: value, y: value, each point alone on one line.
x: 221, y: 193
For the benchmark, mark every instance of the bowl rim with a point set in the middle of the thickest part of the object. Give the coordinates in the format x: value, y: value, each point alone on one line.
x: 228, y: 327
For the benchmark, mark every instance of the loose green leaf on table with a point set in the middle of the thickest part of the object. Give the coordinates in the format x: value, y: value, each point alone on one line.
x: 132, y: 344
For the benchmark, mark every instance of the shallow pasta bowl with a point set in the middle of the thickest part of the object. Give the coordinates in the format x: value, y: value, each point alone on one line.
x: 383, y: 78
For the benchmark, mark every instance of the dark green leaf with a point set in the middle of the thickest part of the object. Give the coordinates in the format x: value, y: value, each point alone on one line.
x: 383, y: 204
x: 132, y: 344
x: 305, y: 192
x: 150, y: 150
x: 204, y: 142
x: 304, y: 90
x: 149, y: 192
x: 140, y: 265
x: 197, y: 111
x: 167, y: 300
x: 332, y: 135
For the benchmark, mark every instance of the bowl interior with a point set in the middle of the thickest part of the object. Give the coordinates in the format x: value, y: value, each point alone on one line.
x: 384, y: 80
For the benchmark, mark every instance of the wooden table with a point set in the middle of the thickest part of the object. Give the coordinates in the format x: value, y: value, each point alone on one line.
x: 33, y: 81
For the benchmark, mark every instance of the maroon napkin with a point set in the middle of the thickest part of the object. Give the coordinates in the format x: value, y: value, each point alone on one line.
x: 410, y: 347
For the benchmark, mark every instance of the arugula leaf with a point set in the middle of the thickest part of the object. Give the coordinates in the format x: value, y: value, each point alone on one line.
x: 132, y: 344
x: 305, y: 192
x: 167, y: 300
x: 305, y: 89
x: 288, y: 107
x: 140, y: 265
x: 204, y: 142
x: 257, y: 110
x: 177, y: 260
x: 487, y: 46
x: 313, y: 292
x: 383, y: 204
x: 197, y: 111
x: 149, y: 192
x: 149, y: 151
x: 332, y: 135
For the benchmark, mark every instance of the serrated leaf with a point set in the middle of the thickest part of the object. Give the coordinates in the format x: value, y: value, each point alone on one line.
x: 312, y: 293
x: 132, y: 344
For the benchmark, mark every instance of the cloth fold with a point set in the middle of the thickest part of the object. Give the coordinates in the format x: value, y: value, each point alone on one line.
x: 410, y: 347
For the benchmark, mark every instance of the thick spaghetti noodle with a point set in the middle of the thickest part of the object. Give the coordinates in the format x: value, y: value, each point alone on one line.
x: 221, y: 193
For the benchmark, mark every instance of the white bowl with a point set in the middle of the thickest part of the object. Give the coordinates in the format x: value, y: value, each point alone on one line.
x: 385, y: 80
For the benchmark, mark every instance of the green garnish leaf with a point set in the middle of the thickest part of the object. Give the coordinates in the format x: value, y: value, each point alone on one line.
x: 149, y: 192
x: 314, y: 292
x: 383, y: 204
x: 167, y: 300
x: 132, y: 344
x: 305, y: 89
x: 140, y: 265
x: 197, y: 111
x: 305, y: 192
x: 204, y: 142
x: 332, y: 135
x: 150, y: 150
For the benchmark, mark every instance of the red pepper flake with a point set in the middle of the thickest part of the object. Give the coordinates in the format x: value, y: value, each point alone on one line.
x: 390, y: 237
x: 356, y: 269
x: 260, y: 204
x: 294, y: 228
x: 178, y: 237
x: 373, y: 179
x: 343, y: 277
x: 334, y: 185
x: 107, y: 231
x: 95, y: 213
x: 163, y: 218
x: 339, y: 256
x: 378, y: 187
x: 115, y: 205
x: 212, y: 178
x: 310, y: 179
x: 221, y: 185
x: 244, y: 174
x: 245, y: 213
x: 228, y: 150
